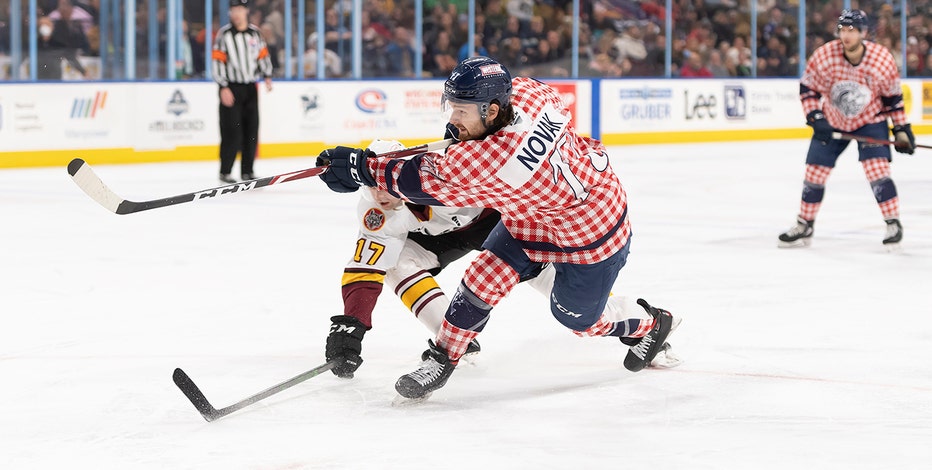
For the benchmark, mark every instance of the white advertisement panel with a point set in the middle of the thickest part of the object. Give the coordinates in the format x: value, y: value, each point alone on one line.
x: 346, y: 112
x: 631, y: 106
x: 56, y: 117
x: 168, y: 115
x: 349, y: 112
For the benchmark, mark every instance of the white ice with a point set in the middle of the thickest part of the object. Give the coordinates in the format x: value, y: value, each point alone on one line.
x: 813, y: 358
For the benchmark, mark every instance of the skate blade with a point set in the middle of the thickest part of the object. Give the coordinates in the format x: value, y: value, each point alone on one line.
x: 665, y: 359
x: 674, y: 326
x: 403, y: 402
x: 801, y: 243
x: 893, y: 248
x: 471, y: 360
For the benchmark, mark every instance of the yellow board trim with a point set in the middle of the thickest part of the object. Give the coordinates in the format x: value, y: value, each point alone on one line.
x: 60, y: 158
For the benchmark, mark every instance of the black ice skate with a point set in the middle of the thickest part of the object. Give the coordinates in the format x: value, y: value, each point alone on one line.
x: 472, y: 348
x: 894, y: 234
x: 799, y: 235
x: 644, y: 351
x: 432, y: 374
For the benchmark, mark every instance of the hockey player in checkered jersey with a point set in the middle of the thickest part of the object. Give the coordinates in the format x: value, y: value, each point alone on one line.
x: 559, y: 201
x: 853, y: 86
x: 402, y: 246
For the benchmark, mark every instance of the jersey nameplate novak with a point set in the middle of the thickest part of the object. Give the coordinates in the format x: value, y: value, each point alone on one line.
x: 535, y: 148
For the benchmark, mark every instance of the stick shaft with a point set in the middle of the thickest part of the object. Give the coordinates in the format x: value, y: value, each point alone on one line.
x: 83, y: 176
x: 870, y: 140
x: 197, y: 398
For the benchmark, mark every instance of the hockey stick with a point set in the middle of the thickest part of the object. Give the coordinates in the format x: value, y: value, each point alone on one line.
x: 870, y: 140
x: 83, y: 176
x: 190, y: 390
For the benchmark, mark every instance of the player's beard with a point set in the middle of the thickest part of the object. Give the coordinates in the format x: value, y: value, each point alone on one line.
x: 853, y: 48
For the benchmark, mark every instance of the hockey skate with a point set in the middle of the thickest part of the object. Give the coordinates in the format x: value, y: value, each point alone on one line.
x: 471, y: 355
x: 894, y: 235
x: 646, y: 349
x: 797, y: 236
x: 432, y: 374
x: 666, y: 359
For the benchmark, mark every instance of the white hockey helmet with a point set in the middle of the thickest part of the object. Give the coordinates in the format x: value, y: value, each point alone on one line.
x: 382, y: 146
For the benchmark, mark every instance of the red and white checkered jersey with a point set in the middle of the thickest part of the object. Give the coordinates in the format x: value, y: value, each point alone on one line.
x: 851, y: 94
x: 555, y: 189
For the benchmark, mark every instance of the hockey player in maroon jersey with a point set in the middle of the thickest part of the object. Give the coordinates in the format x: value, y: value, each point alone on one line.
x: 851, y: 85
x: 559, y: 201
x: 402, y: 246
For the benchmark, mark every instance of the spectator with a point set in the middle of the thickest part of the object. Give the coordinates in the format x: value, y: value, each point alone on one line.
x: 337, y: 36
x: 510, y: 52
x: 717, y: 65
x: 59, y: 39
x: 400, y: 54
x: 441, y: 56
x: 480, y: 50
x: 522, y: 10
x: 694, y: 67
x: 275, y: 50
x: 630, y: 45
x: 375, y: 38
x: 68, y: 11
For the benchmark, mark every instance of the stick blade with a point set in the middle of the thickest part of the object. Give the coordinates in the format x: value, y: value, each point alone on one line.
x: 194, y: 394
x: 75, y: 165
x: 83, y: 176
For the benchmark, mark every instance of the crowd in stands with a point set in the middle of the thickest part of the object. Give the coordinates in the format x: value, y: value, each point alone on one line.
x: 617, y: 38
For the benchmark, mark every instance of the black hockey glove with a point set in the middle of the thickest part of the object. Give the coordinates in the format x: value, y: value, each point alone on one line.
x: 905, y: 141
x: 451, y: 132
x: 345, y: 344
x: 821, y: 129
x: 348, y: 170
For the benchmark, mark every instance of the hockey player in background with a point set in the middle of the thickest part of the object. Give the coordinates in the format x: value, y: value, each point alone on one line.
x: 559, y: 201
x: 853, y: 86
x: 403, y: 246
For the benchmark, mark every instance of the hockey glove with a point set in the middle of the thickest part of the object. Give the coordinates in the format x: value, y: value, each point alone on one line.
x: 451, y: 132
x: 905, y: 141
x: 345, y: 344
x: 348, y: 170
x: 821, y: 129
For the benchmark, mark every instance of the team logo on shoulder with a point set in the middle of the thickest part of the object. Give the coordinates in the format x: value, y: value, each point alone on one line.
x: 428, y: 165
x: 373, y: 219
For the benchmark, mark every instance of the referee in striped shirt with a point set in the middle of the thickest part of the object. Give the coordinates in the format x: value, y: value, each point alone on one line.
x: 240, y: 59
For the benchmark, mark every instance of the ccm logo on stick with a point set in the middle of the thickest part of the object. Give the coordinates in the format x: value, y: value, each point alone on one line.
x: 239, y: 187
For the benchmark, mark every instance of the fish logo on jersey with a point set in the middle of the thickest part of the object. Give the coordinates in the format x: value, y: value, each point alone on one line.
x: 373, y: 219
x: 850, y: 98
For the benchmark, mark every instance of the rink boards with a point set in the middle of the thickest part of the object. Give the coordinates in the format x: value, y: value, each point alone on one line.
x: 127, y: 122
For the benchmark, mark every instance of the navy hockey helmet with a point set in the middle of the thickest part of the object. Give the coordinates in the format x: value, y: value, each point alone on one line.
x: 853, y: 18
x: 478, y: 80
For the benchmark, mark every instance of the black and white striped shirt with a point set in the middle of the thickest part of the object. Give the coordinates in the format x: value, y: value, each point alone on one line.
x: 240, y: 56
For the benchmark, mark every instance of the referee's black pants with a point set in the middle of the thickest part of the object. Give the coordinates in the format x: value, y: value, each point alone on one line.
x: 239, y: 128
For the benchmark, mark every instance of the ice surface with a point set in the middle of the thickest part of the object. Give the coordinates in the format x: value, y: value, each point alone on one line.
x: 813, y: 358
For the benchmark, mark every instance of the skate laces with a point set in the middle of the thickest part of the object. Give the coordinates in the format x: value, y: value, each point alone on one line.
x: 640, y: 350
x: 428, y: 371
x: 801, y: 228
x: 892, y: 229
